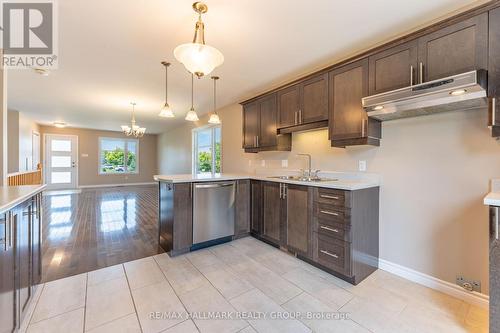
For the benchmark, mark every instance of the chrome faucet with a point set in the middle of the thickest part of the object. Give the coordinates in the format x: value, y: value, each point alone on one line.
x: 309, y: 160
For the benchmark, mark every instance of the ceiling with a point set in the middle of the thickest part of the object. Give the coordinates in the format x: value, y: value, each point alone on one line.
x: 110, y: 53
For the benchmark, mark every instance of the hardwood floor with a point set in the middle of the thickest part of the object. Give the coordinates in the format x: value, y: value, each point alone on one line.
x: 98, y: 228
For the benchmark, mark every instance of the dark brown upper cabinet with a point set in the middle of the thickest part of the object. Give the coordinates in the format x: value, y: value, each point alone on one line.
x: 394, y: 68
x: 458, y: 48
x: 348, y: 122
x: 288, y: 106
x: 494, y: 71
x: 260, y: 126
x: 304, y: 105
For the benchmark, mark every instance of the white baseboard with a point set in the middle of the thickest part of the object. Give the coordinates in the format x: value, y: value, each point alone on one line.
x: 451, y: 289
x: 116, y: 185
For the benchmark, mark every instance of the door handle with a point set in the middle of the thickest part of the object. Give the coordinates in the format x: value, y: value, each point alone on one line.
x: 421, y: 72
x: 329, y: 254
x: 213, y: 185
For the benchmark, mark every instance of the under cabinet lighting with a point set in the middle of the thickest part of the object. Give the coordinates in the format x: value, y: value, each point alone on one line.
x: 458, y: 92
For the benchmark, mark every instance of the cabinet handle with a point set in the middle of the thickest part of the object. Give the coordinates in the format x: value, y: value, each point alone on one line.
x: 362, y: 128
x: 3, y: 240
x: 330, y: 229
x: 300, y: 116
x: 296, y: 117
x: 284, y: 191
x: 411, y: 75
x: 329, y: 254
x: 421, y: 72
x: 257, y: 141
x: 496, y: 223
x: 326, y: 196
x: 493, y: 113
x: 329, y: 213
x: 281, y: 191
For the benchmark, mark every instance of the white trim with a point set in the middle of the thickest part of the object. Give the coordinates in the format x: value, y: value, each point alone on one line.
x: 451, y: 289
x: 117, y: 185
x: 126, y: 140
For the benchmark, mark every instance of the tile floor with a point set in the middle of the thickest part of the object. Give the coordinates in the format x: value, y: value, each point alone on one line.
x: 245, y: 277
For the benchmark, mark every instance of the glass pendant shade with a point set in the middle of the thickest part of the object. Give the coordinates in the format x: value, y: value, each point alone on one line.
x: 199, y: 59
x: 166, y: 112
x: 192, y: 116
x: 214, y: 119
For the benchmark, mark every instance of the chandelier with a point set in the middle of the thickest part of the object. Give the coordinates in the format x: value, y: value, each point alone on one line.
x: 198, y: 58
x: 133, y: 130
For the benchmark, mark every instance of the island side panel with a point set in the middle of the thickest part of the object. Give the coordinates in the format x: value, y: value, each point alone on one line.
x: 183, y: 218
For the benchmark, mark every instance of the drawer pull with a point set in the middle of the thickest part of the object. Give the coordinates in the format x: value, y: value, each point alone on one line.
x: 329, y: 213
x: 329, y: 254
x: 329, y: 229
x: 326, y: 196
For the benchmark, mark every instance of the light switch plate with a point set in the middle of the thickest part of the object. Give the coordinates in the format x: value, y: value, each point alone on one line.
x: 284, y: 163
x: 263, y: 163
x: 85, y: 155
x: 362, y: 165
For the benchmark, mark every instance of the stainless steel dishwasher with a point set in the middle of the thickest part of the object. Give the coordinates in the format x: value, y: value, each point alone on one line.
x: 213, y: 213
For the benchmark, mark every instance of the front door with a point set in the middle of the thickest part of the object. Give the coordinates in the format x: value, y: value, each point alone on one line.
x: 61, y: 161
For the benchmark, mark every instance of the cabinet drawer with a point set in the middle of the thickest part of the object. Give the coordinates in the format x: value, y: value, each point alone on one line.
x: 333, y: 229
x: 334, y: 254
x: 328, y: 196
x: 330, y: 213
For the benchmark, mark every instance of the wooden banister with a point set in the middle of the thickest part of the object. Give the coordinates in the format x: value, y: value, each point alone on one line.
x: 33, y: 177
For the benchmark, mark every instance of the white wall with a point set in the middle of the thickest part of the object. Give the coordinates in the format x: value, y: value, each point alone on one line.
x: 436, y: 170
x: 26, y: 128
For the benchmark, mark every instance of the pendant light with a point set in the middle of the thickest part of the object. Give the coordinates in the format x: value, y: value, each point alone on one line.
x: 191, y: 115
x: 198, y: 58
x: 133, y: 130
x: 214, y: 117
x: 166, y: 111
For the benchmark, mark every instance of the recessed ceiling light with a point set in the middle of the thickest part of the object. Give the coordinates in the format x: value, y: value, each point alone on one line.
x: 41, y: 71
x: 458, y: 92
x: 378, y: 107
x: 59, y: 124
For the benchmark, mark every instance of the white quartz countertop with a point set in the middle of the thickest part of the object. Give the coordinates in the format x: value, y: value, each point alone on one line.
x: 493, y: 198
x: 11, y: 196
x: 344, y: 181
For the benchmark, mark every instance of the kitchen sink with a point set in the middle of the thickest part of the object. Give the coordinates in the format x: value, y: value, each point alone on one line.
x: 305, y: 179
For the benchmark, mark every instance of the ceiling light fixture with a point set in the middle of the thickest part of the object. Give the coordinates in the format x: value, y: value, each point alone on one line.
x: 166, y: 111
x: 214, y: 117
x: 198, y: 58
x: 133, y: 130
x: 458, y: 92
x: 41, y: 71
x: 191, y: 115
x: 59, y: 124
x: 378, y: 107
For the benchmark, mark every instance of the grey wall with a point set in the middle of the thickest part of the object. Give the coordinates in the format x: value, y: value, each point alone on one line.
x: 435, y: 169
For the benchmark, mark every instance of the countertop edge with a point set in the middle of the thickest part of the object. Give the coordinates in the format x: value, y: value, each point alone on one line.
x: 332, y: 185
x: 21, y: 199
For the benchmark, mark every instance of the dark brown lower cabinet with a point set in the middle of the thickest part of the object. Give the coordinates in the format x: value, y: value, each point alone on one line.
x: 298, y: 217
x: 20, y: 261
x: 8, y: 314
x: 175, y: 217
x: 494, y: 271
x: 272, y: 212
x: 256, y: 208
x: 242, y: 204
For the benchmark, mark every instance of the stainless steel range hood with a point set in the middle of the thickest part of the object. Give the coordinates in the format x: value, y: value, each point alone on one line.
x: 458, y: 92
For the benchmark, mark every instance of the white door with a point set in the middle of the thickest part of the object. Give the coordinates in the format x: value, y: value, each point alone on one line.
x: 61, y: 161
x: 36, y: 150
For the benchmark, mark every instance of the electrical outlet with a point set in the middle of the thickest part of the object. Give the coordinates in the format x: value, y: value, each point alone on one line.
x: 284, y: 163
x: 469, y: 285
x: 263, y: 163
x: 362, y: 165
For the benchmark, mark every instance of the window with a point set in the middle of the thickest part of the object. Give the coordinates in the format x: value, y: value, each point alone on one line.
x: 207, y: 150
x: 118, y: 156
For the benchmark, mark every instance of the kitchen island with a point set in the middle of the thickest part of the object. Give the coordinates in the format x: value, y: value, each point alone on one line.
x: 332, y: 223
x: 20, y: 251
